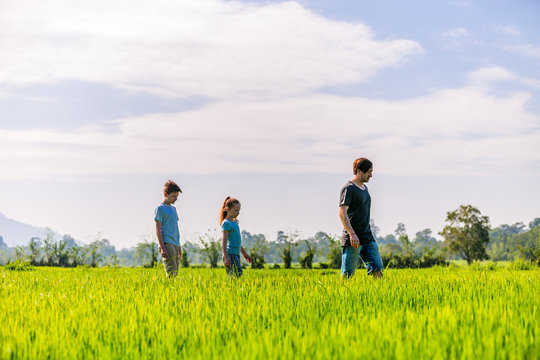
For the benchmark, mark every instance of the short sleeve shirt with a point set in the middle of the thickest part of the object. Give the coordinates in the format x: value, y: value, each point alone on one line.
x: 359, y: 203
x: 168, y: 217
x: 234, y: 241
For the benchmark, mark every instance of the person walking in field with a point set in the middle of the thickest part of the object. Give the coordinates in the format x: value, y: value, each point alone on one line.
x: 232, y: 241
x: 166, y: 219
x: 354, y: 212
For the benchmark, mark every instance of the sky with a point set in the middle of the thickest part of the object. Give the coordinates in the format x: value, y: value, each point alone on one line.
x: 270, y: 102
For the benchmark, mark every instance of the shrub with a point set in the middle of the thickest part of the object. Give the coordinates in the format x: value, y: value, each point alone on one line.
x: 19, y: 265
x: 257, y: 260
x: 521, y: 264
x: 483, y: 266
x: 184, y: 259
x: 306, y: 260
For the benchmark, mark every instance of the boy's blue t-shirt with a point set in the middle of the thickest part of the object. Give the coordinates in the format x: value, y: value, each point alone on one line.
x: 234, y: 240
x: 167, y: 216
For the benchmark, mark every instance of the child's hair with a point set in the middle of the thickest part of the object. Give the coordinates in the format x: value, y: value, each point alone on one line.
x: 170, y: 187
x: 227, y: 204
x: 361, y: 164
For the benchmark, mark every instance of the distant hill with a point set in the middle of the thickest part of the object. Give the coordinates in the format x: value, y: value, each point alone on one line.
x: 16, y: 233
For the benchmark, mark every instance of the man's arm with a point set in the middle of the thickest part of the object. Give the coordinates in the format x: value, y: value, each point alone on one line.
x: 355, y: 242
x: 159, y: 233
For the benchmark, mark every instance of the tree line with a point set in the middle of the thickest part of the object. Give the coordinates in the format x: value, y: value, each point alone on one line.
x: 467, y: 235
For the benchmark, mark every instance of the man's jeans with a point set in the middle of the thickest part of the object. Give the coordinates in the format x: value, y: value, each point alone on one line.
x: 369, y: 253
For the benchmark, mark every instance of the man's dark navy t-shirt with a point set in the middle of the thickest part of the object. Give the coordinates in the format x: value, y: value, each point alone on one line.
x: 359, y: 202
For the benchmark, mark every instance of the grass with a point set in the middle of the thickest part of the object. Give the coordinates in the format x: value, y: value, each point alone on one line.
x: 455, y: 313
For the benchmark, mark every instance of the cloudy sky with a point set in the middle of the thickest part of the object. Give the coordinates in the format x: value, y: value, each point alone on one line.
x: 270, y: 102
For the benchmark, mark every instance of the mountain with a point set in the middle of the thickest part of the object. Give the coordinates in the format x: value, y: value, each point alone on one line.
x: 16, y: 233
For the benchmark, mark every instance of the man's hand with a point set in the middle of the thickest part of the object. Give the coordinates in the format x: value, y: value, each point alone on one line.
x: 179, y: 253
x: 355, y: 242
x: 164, y: 253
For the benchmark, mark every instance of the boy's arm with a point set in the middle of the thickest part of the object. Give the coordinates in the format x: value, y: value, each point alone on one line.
x: 226, y: 260
x: 159, y: 234
x: 246, y: 255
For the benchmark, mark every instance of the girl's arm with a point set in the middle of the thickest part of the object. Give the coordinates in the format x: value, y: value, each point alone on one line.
x: 226, y: 260
x: 246, y: 255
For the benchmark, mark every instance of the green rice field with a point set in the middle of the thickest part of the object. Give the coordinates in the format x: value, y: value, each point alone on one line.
x: 114, y: 313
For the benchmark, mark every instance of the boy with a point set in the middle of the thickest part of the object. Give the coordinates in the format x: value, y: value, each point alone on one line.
x: 167, y: 228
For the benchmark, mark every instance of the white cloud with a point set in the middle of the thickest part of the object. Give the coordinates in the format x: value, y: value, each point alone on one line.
x: 456, y: 33
x: 453, y: 131
x: 525, y: 49
x: 209, y: 48
x: 492, y: 74
x: 510, y: 30
x: 460, y: 3
x: 489, y: 75
x: 457, y: 39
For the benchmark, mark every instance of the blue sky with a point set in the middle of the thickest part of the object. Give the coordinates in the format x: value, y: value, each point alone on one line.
x: 269, y: 101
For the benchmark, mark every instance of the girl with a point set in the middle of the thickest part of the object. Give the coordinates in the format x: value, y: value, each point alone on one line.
x: 232, y: 241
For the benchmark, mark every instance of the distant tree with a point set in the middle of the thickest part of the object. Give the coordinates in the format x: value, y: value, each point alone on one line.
x: 322, y: 244
x: 113, y: 260
x: 211, y: 250
x: 532, y: 224
x: 92, y: 253
x: 500, y: 246
x: 388, y: 239
x: 49, y: 248
x: 20, y: 253
x: 281, y: 237
x: 424, y: 237
x: 69, y: 240
x: 60, y: 253
x: 3, y: 245
x: 258, y: 249
x: 146, y: 252
x: 392, y: 249
x: 141, y: 253
x: 401, y: 233
x: 375, y: 230
x: 334, y: 254
x: 126, y: 257
x: 193, y: 252
x: 287, y: 244
x: 34, y: 245
x: 528, y: 244
x: 286, y: 255
x: 306, y: 258
x: 467, y: 233
x: 184, y: 258
x: 74, y: 254
x: 107, y: 249
x: 424, y: 241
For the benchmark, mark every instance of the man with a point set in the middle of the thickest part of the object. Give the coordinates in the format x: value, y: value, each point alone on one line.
x: 354, y: 211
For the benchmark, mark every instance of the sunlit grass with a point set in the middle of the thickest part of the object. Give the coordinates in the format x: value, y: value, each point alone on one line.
x: 269, y: 314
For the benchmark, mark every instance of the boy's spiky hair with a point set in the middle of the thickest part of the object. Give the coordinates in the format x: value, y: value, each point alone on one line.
x: 170, y: 187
